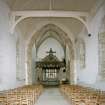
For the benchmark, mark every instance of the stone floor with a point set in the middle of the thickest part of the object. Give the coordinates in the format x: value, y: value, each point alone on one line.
x: 52, y: 96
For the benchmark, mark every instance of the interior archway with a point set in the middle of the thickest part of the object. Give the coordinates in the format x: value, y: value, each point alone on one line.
x: 66, y: 42
x: 49, y: 75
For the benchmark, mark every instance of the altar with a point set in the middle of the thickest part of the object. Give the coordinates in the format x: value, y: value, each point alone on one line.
x: 50, y: 68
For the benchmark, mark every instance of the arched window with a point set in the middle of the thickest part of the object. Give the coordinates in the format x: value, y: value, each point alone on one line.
x: 17, y: 59
x: 80, y: 52
x: 101, y: 50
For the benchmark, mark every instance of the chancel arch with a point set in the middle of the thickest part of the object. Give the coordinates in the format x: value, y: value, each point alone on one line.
x: 80, y: 53
x: 35, y: 40
x: 50, y: 61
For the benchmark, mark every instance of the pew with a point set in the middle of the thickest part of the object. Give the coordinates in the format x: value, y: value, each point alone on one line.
x: 79, y: 95
x: 26, y: 95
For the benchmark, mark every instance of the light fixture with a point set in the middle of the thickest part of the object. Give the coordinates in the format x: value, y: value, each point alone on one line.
x: 89, y: 35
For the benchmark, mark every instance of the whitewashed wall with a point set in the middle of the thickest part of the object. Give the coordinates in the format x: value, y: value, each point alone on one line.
x: 89, y: 75
x: 7, y: 50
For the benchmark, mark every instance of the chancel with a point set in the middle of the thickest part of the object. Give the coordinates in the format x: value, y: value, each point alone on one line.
x: 51, y: 68
x: 52, y: 52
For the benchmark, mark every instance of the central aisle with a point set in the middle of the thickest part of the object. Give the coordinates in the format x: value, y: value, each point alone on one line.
x: 51, y: 96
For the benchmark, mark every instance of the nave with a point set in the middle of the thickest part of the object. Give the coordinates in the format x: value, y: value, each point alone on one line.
x: 52, y: 42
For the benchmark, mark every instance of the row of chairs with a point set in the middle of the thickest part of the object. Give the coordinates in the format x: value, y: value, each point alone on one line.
x: 79, y: 95
x: 26, y: 95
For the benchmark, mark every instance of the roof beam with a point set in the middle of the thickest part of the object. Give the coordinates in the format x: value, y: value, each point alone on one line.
x: 49, y: 13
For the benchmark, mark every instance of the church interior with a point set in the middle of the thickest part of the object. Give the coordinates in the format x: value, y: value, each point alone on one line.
x: 52, y: 52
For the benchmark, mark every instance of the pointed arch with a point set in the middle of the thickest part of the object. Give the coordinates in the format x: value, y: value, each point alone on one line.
x: 39, y: 34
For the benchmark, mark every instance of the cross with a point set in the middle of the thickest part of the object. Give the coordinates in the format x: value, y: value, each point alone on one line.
x: 51, y: 51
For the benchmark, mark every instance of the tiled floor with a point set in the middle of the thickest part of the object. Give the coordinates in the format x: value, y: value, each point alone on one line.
x: 51, y: 96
